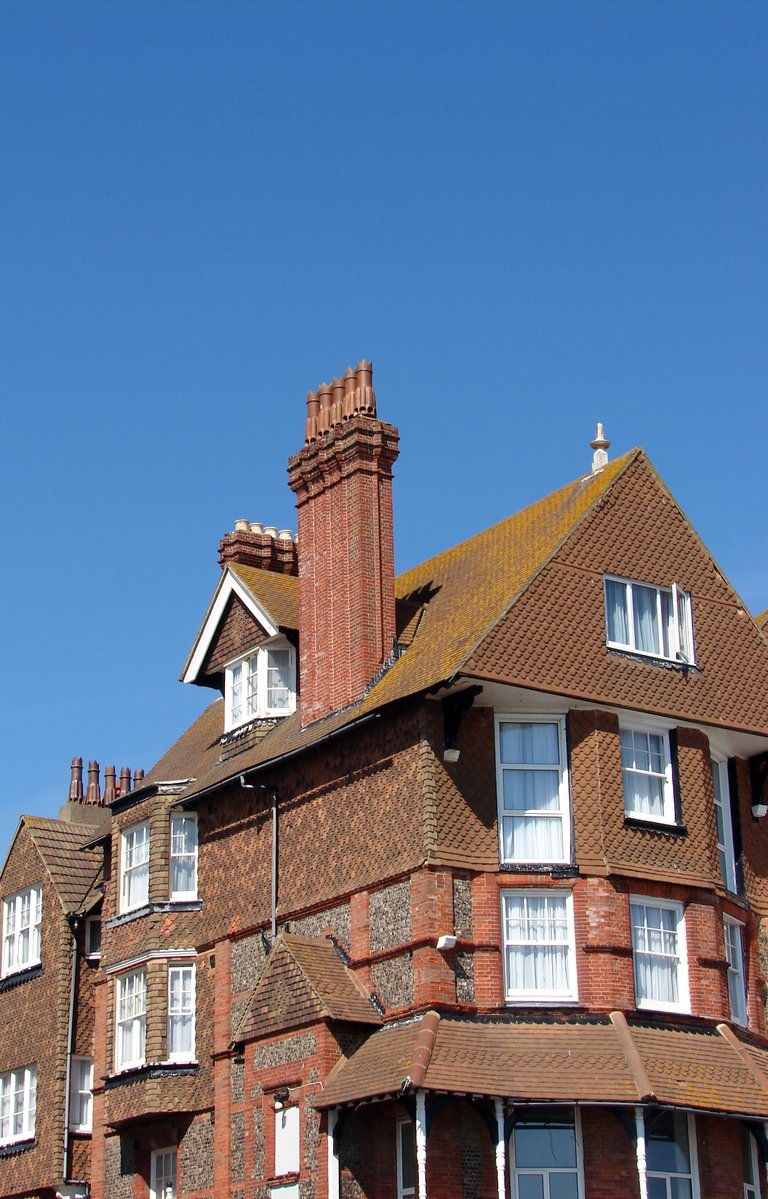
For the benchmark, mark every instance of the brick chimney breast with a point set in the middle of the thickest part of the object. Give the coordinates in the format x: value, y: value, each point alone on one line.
x: 342, y: 480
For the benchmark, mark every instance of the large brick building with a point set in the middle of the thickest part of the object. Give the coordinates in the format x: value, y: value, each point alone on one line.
x: 457, y: 888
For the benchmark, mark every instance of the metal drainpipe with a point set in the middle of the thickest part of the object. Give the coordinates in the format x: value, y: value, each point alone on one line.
x: 70, y: 1039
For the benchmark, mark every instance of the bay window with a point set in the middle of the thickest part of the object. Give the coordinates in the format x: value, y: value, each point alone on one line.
x: 734, y: 952
x: 659, y: 955
x: 261, y: 684
x: 134, y: 867
x: 539, y: 946
x: 131, y: 1034
x: 545, y: 1154
x: 725, y: 844
x: 534, y: 815
x: 646, y: 770
x: 670, y: 1145
x: 181, y: 1013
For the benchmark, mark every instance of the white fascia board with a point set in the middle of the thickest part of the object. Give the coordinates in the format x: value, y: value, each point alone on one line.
x: 229, y: 585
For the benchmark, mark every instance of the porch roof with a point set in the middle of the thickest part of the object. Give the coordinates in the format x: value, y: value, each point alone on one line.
x: 594, y: 1060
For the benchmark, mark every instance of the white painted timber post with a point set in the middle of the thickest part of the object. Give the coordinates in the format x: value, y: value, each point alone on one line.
x: 642, y: 1164
x: 501, y: 1150
x: 421, y: 1142
x: 333, y: 1155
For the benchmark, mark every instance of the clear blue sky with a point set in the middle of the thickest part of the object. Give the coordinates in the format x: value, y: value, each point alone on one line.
x: 530, y: 216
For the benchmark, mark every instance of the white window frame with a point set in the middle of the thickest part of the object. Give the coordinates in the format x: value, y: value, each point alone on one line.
x: 137, y: 1018
x: 749, y: 1147
x: 184, y: 818
x: 405, y: 1123
x: 17, y: 925
x: 92, y: 922
x: 737, y: 974
x: 254, y: 685
x: 133, y: 845
x: 18, y: 1103
x: 562, y: 813
x: 646, y: 728
x: 287, y: 1139
x: 679, y: 628
x: 183, y: 1010
x: 545, y: 1172
x: 536, y: 995
x: 159, y: 1187
x: 81, y: 1094
x: 668, y: 1176
x: 683, y: 1003
x: 725, y: 846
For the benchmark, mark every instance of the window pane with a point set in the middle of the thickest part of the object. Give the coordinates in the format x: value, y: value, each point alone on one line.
x: 530, y: 1186
x: 529, y: 744
x: 563, y: 1186
x: 278, y: 678
x: 667, y: 1144
x: 545, y: 1142
x: 616, y: 612
x: 657, y: 1188
x: 407, y: 1154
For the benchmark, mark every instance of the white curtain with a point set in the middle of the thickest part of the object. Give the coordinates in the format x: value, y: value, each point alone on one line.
x: 616, y: 610
x: 537, y: 943
x: 532, y: 820
x: 654, y: 937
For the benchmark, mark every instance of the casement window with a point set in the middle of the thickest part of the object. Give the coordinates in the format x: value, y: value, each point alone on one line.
x: 181, y: 1013
x: 162, y: 1184
x: 646, y: 769
x: 670, y: 1147
x: 725, y: 842
x: 81, y: 1094
x: 532, y: 782
x: 183, y: 866
x: 93, y: 937
x: 539, y: 946
x: 545, y: 1154
x: 131, y: 1020
x: 750, y: 1165
x: 737, y: 981
x: 406, y: 1158
x: 262, y: 684
x: 642, y: 619
x: 18, y: 1102
x: 287, y: 1142
x: 659, y: 954
x: 22, y: 914
x: 134, y: 867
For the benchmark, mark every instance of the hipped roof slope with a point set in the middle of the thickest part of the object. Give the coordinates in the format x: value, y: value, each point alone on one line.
x: 462, y: 593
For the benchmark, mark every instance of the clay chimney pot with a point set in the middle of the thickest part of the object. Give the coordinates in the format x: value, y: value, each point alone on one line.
x: 76, y: 780
x: 93, y: 794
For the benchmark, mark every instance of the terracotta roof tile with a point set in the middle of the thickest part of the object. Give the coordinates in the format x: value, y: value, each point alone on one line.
x: 460, y: 593
x: 304, y: 979
x: 552, y: 1062
x: 278, y: 594
x: 74, y: 871
x: 196, y: 751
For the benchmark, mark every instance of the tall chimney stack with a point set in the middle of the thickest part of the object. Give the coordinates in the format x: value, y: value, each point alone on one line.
x: 342, y: 480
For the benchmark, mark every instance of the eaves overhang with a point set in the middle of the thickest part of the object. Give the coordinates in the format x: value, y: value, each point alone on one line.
x: 229, y: 585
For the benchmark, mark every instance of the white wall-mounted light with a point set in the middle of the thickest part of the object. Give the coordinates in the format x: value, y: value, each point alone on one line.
x: 446, y: 942
x: 759, y: 809
x: 451, y: 755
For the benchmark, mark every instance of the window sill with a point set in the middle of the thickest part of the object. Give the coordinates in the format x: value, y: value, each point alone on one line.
x: 647, y: 1008
x: 556, y: 869
x: 10, y: 1148
x: 655, y: 826
x: 639, y: 655
x: 546, y: 1001
x: 20, y: 976
x: 149, y: 1070
x: 147, y: 909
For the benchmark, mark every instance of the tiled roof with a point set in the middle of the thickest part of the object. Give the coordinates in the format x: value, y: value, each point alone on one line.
x: 593, y: 1061
x: 762, y: 621
x: 74, y: 872
x: 196, y: 751
x: 460, y: 594
x: 278, y: 594
x: 304, y: 979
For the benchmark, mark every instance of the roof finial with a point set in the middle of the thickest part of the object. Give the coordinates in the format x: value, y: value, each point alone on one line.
x: 600, y: 446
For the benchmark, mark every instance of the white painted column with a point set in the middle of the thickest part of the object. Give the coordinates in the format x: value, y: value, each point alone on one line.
x: 501, y: 1150
x: 642, y: 1164
x: 421, y: 1142
x: 333, y: 1155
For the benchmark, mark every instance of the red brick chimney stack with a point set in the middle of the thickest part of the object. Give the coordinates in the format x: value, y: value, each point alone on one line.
x: 342, y: 480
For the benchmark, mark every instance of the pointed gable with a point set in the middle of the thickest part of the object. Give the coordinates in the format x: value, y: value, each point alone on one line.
x: 304, y: 980
x: 74, y: 872
x: 553, y: 638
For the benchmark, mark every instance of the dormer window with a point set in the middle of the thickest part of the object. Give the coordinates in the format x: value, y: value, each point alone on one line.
x: 656, y: 621
x: 261, y: 684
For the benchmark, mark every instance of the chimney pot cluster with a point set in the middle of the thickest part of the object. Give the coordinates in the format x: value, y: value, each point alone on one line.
x: 255, y: 544
x: 344, y: 398
x: 93, y: 795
